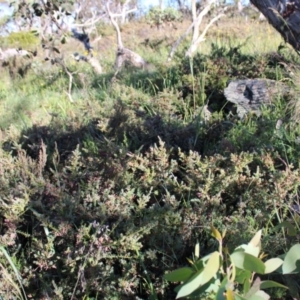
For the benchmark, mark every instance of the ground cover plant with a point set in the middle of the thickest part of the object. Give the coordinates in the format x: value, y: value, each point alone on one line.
x: 103, y: 196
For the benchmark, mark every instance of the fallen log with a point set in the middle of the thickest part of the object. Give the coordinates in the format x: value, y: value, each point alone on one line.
x: 12, y: 52
x: 250, y: 95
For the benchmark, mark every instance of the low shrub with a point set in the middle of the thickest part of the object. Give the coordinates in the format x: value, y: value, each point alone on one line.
x: 106, y: 222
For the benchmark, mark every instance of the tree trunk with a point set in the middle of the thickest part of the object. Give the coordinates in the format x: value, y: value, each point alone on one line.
x: 284, y: 16
x: 161, y: 4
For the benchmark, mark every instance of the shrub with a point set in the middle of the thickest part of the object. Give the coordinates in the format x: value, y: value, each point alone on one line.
x: 159, y: 17
x: 24, y: 39
x: 102, y: 219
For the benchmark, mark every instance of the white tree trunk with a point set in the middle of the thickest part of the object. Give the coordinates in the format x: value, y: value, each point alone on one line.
x: 197, y: 20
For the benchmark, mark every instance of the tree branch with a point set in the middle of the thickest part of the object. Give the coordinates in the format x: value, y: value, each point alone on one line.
x: 284, y: 16
x: 197, y: 20
x: 201, y: 38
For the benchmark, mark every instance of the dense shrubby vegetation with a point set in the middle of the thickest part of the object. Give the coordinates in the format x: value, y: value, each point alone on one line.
x: 100, y: 198
x: 159, y: 17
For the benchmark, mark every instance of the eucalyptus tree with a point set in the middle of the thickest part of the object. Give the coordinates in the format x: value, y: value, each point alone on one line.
x: 284, y: 16
x: 197, y: 35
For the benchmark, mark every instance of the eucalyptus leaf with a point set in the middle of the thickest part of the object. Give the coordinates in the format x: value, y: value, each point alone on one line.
x: 270, y: 284
x: 255, y: 242
x: 63, y: 40
x: 197, y: 250
x: 199, y: 264
x: 237, y: 257
x: 254, y: 264
x: 254, y: 288
x: 229, y: 294
x: 216, y: 234
x: 259, y: 295
x: 222, y: 289
x: 242, y: 276
x: 253, y: 250
x: 211, y: 287
x: 181, y: 274
x: 202, y: 276
x: 289, y: 264
x: 272, y: 264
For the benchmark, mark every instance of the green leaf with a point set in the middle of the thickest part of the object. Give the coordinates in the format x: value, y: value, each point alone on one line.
x: 181, y: 274
x: 237, y: 257
x: 210, y: 287
x: 222, y: 289
x: 254, y: 264
x: 197, y: 251
x: 202, y: 276
x: 224, y: 233
x: 249, y: 249
x: 272, y: 264
x: 259, y: 295
x: 242, y: 275
x: 270, y: 284
x: 193, y: 286
x: 289, y: 264
x: 55, y: 49
x: 255, y: 242
x: 216, y: 234
x: 254, y: 251
x: 63, y: 40
x: 199, y: 264
x: 190, y: 261
x: 254, y: 288
x: 35, y: 32
x: 247, y: 285
x: 229, y: 295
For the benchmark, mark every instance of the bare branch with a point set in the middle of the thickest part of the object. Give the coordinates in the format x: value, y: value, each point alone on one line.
x: 197, y: 38
x: 201, y: 38
x: 126, y: 12
x: 177, y: 43
x: 115, y: 24
x: 89, y: 22
x: 61, y: 62
x: 199, y: 18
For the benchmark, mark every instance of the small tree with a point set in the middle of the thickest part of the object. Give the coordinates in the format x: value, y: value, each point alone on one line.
x: 159, y: 17
x: 197, y: 36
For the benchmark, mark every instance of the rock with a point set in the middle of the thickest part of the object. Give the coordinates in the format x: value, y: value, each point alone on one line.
x: 250, y: 94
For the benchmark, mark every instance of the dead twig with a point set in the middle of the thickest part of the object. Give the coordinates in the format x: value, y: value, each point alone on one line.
x: 60, y: 62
